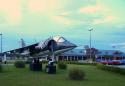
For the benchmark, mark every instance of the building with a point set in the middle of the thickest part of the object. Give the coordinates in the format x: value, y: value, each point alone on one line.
x: 72, y: 55
x: 77, y: 55
x: 110, y: 55
x: 10, y: 57
x: 82, y: 54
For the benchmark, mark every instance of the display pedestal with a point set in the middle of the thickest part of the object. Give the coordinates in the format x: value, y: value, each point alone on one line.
x: 50, y: 69
x: 36, y: 65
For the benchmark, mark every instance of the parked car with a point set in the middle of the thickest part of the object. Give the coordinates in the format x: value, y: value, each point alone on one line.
x: 104, y: 62
x: 116, y: 62
x: 111, y: 62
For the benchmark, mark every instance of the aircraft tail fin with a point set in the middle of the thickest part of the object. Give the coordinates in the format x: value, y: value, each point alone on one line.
x: 23, y: 44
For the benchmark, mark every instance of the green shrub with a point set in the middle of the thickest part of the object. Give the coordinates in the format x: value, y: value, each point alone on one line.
x: 1, y: 68
x: 76, y: 74
x: 44, y: 62
x: 62, y: 65
x: 100, y: 66
x: 19, y: 64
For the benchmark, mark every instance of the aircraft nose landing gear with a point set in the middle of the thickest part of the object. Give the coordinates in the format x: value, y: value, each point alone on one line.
x: 51, y: 67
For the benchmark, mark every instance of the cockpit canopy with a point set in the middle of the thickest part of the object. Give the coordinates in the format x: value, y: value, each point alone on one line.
x: 62, y: 41
x: 59, y: 39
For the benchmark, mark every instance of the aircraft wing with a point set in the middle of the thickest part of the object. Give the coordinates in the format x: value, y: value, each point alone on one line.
x: 29, y: 49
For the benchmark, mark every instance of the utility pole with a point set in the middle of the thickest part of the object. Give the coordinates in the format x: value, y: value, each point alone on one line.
x: 1, y: 42
x: 90, y: 38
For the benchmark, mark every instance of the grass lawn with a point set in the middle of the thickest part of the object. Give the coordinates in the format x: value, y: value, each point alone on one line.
x: 94, y: 77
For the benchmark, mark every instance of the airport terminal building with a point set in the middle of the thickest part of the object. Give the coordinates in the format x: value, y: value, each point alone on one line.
x: 75, y: 55
x: 110, y: 55
x: 72, y: 55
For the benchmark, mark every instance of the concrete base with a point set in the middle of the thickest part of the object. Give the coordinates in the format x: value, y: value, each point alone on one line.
x: 35, y: 66
x: 50, y: 69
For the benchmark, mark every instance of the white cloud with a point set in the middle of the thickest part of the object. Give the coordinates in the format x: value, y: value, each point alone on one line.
x: 103, y: 13
x: 118, y: 45
x: 61, y: 20
x: 65, y: 14
x: 66, y: 21
x: 42, y: 6
x: 121, y: 26
x: 11, y: 10
x: 93, y: 9
x: 106, y: 19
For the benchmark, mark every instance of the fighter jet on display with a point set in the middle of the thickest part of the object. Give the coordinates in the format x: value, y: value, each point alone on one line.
x: 51, y: 46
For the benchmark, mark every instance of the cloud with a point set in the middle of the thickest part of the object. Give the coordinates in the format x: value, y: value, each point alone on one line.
x: 11, y: 10
x: 66, y: 21
x: 118, y: 45
x: 121, y: 26
x: 106, y: 19
x: 93, y: 9
x: 65, y: 14
x: 103, y: 13
x: 98, y: 9
x: 42, y: 6
x: 62, y: 20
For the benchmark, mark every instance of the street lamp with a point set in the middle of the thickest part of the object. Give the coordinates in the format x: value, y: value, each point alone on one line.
x: 90, y: 43
x: 1, y: 41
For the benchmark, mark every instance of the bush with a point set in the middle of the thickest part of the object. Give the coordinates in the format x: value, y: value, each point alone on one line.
x: 19, y: 64
x: 100, y: 66
x: 62, y: 65
x: 1, y: 68
x: 76, y: 74
x: 44, y: 62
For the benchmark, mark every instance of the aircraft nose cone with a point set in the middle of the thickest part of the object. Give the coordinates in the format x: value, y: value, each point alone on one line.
x: 72, y: 45
x: 63, y: 43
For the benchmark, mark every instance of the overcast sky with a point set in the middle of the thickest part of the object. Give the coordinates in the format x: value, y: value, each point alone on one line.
x: 36, y: 20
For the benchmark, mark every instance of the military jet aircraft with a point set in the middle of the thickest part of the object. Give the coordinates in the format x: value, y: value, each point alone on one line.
x: 51, y: 46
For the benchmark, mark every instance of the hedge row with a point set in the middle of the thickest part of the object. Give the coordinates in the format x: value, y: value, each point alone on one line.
x: 78, y: 63
x: 19, y: 64
x: 111, y: 68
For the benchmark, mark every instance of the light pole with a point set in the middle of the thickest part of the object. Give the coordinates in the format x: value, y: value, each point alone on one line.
x: 90, y: 44
x: 1, y: 41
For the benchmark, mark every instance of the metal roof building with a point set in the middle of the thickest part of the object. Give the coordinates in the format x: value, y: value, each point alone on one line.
x: 73, y: 55
x: 111, y: 53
